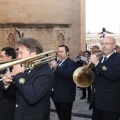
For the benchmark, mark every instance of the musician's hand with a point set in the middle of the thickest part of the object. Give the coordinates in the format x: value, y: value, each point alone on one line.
x: 53, y: 64
x: 8, y: 78
x: 17, y: 69
x: 94, y: 59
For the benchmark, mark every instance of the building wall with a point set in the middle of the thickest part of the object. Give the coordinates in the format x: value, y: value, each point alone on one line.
x: 94, y: 39
x: 52, y: 22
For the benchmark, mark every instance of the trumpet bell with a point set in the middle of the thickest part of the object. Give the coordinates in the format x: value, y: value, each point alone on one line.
x: 83, y: 78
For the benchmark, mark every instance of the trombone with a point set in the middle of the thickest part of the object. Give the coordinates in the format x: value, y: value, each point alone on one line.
x: 32, y: 61
x: 8, y: 70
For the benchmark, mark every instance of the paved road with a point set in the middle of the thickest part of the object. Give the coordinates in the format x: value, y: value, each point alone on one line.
x: 80, y: 109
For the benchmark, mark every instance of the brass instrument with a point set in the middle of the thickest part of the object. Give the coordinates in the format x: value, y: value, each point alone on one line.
x: 3, y: 62
x: 84, y: 76
x: 8, y: 70
x: 33, y: 61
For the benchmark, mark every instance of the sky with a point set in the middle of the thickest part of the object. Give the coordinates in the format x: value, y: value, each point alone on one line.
x: 102, y: 13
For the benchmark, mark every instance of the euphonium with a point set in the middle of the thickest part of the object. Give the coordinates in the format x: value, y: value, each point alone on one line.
x: 33, y: 61
x: 84, y: 76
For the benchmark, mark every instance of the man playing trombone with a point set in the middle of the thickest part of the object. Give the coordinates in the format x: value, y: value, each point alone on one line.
x: 33, y: 85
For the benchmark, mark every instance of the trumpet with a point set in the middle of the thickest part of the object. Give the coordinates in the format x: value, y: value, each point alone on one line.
x: 33, y: 61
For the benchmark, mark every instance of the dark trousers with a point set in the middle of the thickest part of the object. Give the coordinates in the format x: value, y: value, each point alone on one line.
x: 84, y: 92
x: 104, y: 115
x: 64, y: 110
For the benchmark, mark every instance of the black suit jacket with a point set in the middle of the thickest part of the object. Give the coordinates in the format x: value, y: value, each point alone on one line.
x: 33, y: 93
x: 107, y: 85
x: 64, y: 87
x: 7, y: 100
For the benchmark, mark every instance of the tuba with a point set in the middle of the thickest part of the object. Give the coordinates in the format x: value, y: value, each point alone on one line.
x: 32, y: 61
x: 84, y: 76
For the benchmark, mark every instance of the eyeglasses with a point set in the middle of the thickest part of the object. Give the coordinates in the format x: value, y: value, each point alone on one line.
x: 106, y: 43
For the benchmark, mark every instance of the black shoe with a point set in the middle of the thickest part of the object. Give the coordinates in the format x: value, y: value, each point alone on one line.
x: 82, y: 97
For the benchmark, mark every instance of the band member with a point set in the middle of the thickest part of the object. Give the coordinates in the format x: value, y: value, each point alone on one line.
x: 87, y: 55
x: 33, y: 85
x: 78, y: 59
x: 95, y: 49
x: 16, y: 51
x: 7, y: 102
x: 64, y: 89
x: 106, y: 102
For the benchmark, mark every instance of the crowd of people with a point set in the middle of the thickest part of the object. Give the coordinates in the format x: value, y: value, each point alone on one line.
x: 25, y: 92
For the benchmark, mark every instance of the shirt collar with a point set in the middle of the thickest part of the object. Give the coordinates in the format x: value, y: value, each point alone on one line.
x: 109, y: 55
x: 63, y: 59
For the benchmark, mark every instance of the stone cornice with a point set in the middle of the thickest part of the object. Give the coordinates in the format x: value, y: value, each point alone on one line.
x: 32, y: 25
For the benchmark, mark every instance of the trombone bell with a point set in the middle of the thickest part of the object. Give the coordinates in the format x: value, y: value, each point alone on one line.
x: 83, y: 78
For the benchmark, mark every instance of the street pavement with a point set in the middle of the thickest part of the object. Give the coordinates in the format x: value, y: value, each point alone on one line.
x: 80, y: 109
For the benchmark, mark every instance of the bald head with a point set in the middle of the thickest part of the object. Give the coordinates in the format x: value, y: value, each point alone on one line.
x: 110, y: 39
x: 108, y: 45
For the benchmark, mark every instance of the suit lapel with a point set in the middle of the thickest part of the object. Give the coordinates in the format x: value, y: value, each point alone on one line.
x: 64, y: 62
x: 32, y: 72
x: 110, y: 58
x: 29, y: 76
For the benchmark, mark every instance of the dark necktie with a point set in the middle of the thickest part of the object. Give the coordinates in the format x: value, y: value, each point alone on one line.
x: 59, y: 61
x: 26, y: 72
x: 104, y: 59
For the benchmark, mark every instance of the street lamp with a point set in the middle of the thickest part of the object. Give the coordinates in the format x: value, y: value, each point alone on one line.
x: 103, y: 32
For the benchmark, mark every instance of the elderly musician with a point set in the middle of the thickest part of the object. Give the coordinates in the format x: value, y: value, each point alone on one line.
x: 106, y: 102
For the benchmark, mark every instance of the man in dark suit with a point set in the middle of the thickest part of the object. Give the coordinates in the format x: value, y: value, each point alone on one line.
x: 78, y: 59
x: 64, y: 89
x: 106, y: 102
x: 7, y: 102
x: 33, y: 86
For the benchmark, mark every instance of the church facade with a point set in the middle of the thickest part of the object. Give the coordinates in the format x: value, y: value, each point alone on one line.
x: 53, y: 23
